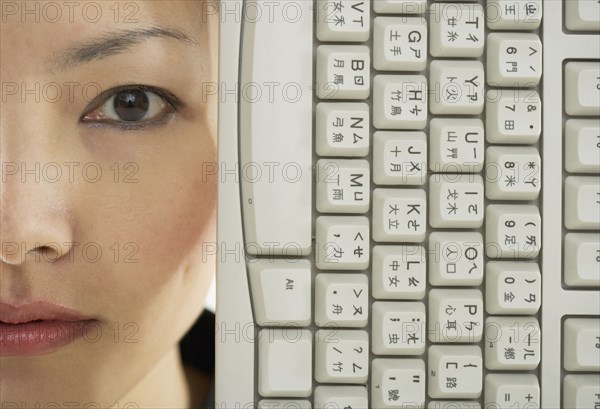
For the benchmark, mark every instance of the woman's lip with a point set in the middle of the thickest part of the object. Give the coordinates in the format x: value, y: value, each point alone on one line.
x: 39, y: 310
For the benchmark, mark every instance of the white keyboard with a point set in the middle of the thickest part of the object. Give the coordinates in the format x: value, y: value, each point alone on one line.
x: 409, y: 207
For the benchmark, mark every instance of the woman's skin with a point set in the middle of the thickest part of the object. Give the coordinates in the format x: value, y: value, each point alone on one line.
x: 151, y: 212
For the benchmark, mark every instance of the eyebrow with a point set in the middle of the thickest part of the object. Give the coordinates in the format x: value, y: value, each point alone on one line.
x: 114, y: 43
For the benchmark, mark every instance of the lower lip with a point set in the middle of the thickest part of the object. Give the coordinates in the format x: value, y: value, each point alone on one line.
x: 39, y: 337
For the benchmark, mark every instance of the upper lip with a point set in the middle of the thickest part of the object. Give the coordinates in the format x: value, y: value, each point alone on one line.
x: 39, y: 310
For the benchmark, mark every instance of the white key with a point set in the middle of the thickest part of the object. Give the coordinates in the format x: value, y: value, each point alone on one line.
x: 399, y: 215
x: 341, y: 356
x: 582, y: 88
x: 455, y: 258
x: 400, y: 43
x: 513, y: 14
x: 512, y: 343
x: 455, y: 315
x: 512, y: 173
x: 453, y: 404
x: 513, y: 231
x: 582, y: 344
x: 341, y: 397
x: 397, y: 383
x: 284, y: 404
x: 285, y: 362
x: 456, y: 145
x: 398, y: 328
x: 581, y: 391
x: 455, y: 371
x: 582, y: 15
x: 455, y: 201
x: 457, y: 30
x: 343, y: 71
x: 400, y: 6
x: 582, y: 259
x: 343, y: 186
x: 508, y: 391
x: 399, y: 158
x: 399, y: 272
x: 342, y: 243
x: 400, y: 102
x: 582, y: 145
x: 281, y: 291
x: 513, y: 116
x: 512, y: 288
x: 582, y: 202
x: 457, y: 87
x: 342, y: 129
x: 343, y: 20
x: 341, y: 300
x: 514, y: 59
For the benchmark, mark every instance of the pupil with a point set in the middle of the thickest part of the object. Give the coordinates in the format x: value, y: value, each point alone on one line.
x: 131, y: 105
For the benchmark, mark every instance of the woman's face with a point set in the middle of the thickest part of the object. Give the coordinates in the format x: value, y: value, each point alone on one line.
x: 108, y: 189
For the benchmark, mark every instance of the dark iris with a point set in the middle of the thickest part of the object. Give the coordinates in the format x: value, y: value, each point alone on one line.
x: 131, y: 105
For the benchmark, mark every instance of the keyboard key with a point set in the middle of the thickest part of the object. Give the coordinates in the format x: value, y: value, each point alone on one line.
x: 343, y: 72
x: 400, y: 102
x: 399, y: 215
x: 285, y: 362
x: 513, y: 116
x: 341, y: 397
x: 343, y: 20
x: 455, y: 371
x: 342, y: 129
x: 582, y: 88
x: 514, y: 59
x: 457, y: 87
x: 582, y: 15
x: 581, y: 391
x: 342, y: 243
x: 513, y: 14
x: 512, y: 173
x: 341, y: 300
x: 581, y: 344
x: 398, y: 328
x: 507, y: 391
x: 284, y: 404
x: 343, y: 186
x: 582, y: 202
x: 513, y: 288
x: 455, y: 201
x: 399, y: 158
x: 341, y: 356
x: 455, y: 258
x: 400, y: 44
x: 456, y: 145
x: 399, y: 272
x: 455, y: 315
x: 400, y: 6
x: 453, y: 404
x: 457, y: 30
x: 582, y: 146
x: 397, y: 383
x: 582, y: 259
x: 513, y: 231
x: 512, y: 343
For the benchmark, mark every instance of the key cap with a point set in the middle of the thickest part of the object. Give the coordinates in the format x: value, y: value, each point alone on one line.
x: 512, y: 343
x: 343, y: 72
x: 582, y: 15
x: 456, y: 145
x: 343, y: 186
x: 341, y: 397
x: 285, y: 362
x: 342, y: 129
x: 455, y: 371
x: 399, y: 158
x: 397, y: 383
x: 513, y: 116
x: 582, y: 146
x: 341, y: 356
x: 582, y: 203
x: 342, y: 242
x: 513, y: 14
x: 582, y: 344
x: 398, y: 328
x: 582, y: 259
x: 400, y: 102
x: 399, y: 215
x: 512, y: 288
x: 400, y: 43
x: 345, y: 20
x: 284, y: 404
x: 399, y: 272
x: 512, y: 173
x: 457, y: 87
x: 457, y: 30
x: 456, y: 201
x: 455, y: 315
x: 513, y: 231
x: 455, y: 258
x: 281, y: 291
x: 582, y: 88
x: 400, y: 6
x: 453, y: 404
x: 506, y: 391
x: 514, y: 59
x: 341, y: 300
x: 581, y: 391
